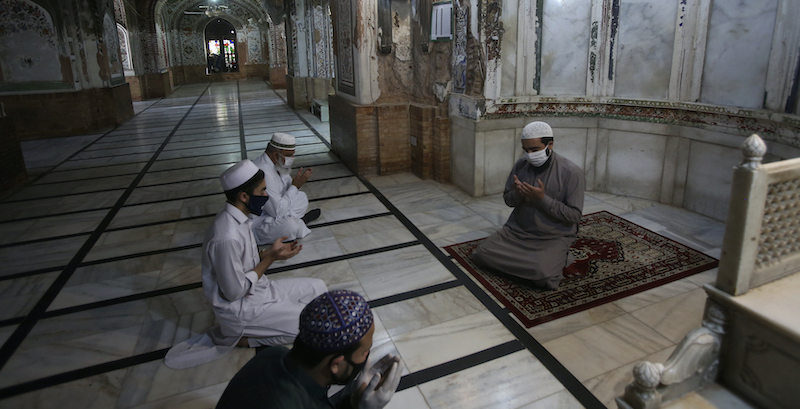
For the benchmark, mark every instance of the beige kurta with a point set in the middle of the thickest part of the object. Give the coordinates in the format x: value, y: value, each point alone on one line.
x: 534, y: 243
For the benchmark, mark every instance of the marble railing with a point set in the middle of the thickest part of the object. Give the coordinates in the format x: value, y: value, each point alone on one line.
x: 750, y: 338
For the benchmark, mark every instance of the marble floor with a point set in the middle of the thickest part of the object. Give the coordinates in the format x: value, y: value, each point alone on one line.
x: 101, y: 256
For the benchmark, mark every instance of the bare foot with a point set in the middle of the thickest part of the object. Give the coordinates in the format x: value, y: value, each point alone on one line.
x: 243, y: 343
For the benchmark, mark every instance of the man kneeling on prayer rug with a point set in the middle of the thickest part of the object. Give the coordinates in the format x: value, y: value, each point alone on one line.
x: 546, y: 191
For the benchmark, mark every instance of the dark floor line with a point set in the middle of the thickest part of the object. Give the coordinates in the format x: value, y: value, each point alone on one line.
x: 107, y: 303
x: 161, y: 160
x: 338, y: 196
x: 22, y: 219
x: 44, y: 239
x: 30, y: 273
x: 82, y: 373
x: 572, y: 384
x: 303, y: 120
x: 170, y: 290
x: 154, y: 252
x: 343, y: 221
x: 188, y: 147
x: 242, y: 143
x: 21, y: 332
x: 52, y: 169
x: 347, y: 256
x: 176, y: 220
x: 380, y: 302
x: 457, y: 365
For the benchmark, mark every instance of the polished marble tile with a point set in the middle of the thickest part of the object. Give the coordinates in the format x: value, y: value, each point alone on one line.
x: 428, y: 310
x: 560, y: 327
x: 679, y: 220
x: 131, y: 150
x: 94, y: 392
x: 337, y: 275
x: 170, y: 164
x: 406, y: 399
x: 508, y: 382
x: 132, y: 241
x: 30, y: 257
x: 558, y: 400
x: 153, y: 380
x: 675, y: 317
x: 68, y: 354
x: 58, y: 205
x: 608, y: 386
x: 174, y: 191
x: 53, y: 226
x: 713, y: 396
x: 18, y: 296
x: 51, y: 152
x: 371, y: 233
x: 437, y: 344
x: 202, y: 398
x: 399, y: 271
x: 649, y: 297
x: 78, y: 174
x: 600, y: 348
x: 66, y: 188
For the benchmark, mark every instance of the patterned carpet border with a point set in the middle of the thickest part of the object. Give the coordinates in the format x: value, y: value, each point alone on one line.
x: 614, y: 259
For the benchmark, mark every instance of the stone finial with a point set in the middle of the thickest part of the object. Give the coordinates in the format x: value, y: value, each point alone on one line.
x: 647, y: 374
x: 753, y: 149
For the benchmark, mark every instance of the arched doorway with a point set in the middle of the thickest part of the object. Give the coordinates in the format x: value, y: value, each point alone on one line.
x: 221, y: 47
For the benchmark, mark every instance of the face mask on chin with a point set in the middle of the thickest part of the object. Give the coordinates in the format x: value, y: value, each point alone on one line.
x: 356, y: 369
x: 538, y: 158
x: 256, y: 204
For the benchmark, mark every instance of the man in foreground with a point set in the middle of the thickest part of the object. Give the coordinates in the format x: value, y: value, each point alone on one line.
x: 251, y: 309
x: 285, y: 214
x: 546, y: 191
x: 332, y: 347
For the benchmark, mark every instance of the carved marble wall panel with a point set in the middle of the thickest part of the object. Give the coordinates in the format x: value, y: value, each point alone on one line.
x: 28, y: 43
x: 112, y: 43
x: 345, y: 67
x: 645, y: 48
x: 737, y: 52
x: 565, y: 47
x: 124, y: 48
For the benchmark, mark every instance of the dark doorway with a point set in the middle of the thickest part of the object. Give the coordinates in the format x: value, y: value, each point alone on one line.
x: 221, y: 47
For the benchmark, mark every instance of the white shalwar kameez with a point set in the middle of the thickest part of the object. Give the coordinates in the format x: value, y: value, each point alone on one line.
x: 265, y: 311
x: 285, y: 208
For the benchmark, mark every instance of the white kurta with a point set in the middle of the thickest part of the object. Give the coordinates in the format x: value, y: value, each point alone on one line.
x: 284, y: 209
x: 266, y: 311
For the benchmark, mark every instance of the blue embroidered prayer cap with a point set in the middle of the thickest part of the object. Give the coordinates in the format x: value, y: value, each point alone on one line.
x: 334, y: 321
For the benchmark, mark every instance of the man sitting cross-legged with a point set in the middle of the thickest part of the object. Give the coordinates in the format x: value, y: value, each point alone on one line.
x: 285, y: 214
x: 251, y: 309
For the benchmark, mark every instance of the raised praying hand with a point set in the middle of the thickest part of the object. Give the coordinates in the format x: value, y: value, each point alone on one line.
x: 527, y: 190
x: 283, y: 251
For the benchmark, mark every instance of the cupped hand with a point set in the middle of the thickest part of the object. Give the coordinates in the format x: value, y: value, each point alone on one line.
x: 284, y: 251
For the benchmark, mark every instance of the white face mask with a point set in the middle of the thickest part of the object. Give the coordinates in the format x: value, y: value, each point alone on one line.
x: 537, y: 158
x: 287, y: 161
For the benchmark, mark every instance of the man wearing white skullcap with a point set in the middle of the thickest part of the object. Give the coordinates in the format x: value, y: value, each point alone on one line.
x: 251, y: 309
x: 546, y: 191
x: 286, y: 215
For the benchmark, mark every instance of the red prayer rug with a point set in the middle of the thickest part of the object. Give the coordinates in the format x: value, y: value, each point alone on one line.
x: 614, y: 258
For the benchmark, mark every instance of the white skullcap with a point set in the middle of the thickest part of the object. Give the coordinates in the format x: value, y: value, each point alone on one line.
x: 238, y: 174
x: 283, y: 141
x: 537, y: 129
